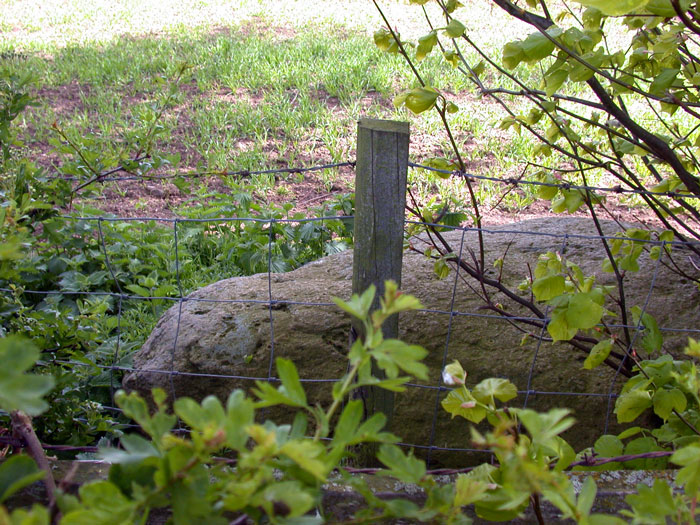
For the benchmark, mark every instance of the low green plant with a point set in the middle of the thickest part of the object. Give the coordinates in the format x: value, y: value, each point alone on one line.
x: 275, y: 472
x: 22, y: 394
x: 670, y: 388
x: 87, y: 288
x: 279, y: 471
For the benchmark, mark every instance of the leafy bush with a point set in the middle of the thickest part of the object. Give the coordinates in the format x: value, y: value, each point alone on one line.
x: 275, y: 473
x: 604, y: 99
x: 86, y: 287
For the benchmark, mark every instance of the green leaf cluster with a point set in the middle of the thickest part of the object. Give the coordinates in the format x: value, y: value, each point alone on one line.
x: 279, y: 469
x: 20, y: 390
x: 531, y: 454
x: 81, y: 325
x: 668, y: 387
x: 576, y: 303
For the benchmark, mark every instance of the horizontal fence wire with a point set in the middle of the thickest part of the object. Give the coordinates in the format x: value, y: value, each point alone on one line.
x: 282, y: 302
x: 181, y: 298
x: 515, y: 181
x: 225, y: 220
x: 108, y: 176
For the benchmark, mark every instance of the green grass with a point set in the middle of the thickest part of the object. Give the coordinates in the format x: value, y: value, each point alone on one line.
x: 269, y: 85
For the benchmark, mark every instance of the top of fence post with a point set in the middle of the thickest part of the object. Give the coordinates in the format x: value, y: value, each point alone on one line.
x: 380, y: 201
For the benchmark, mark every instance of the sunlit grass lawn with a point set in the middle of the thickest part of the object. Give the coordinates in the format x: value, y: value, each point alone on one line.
x: 271, y: 84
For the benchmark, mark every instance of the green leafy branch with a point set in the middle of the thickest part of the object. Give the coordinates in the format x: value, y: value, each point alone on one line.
x: 531, y: 455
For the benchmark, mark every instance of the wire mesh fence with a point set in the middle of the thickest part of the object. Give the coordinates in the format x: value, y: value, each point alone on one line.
x: 126, y: 304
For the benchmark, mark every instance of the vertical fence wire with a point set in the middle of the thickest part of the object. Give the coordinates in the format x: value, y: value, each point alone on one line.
x: 180, y: 302
x: 638, y: 330
x: 431, y: 441
x: 103, y: 246
x: 271, y: 226
x: 543, y: 331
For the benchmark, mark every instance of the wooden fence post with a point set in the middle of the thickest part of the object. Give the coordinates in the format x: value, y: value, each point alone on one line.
x: 380, y: 200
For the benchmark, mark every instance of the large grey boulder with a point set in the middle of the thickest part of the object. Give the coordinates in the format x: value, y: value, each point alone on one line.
x: 222, y: 335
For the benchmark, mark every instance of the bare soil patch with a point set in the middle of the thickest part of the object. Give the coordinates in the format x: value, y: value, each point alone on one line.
x: 64, y: 100
x: 257, y: 25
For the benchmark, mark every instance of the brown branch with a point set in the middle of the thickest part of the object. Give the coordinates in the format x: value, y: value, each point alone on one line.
x: 22, y: 429
x: 591, y: 462
x: 535, y: 502
x: 684, y: 18
x: 655, y: 144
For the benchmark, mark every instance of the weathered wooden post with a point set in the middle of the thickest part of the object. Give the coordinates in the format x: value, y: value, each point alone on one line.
x: 380, y: 200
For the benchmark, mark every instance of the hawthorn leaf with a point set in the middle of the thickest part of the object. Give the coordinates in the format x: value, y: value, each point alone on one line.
x: 290, y: 381
x: 135, y: 450
x: 358, y: 305
x: 370, y: 430
x: 689, y: 458
x: 494, y: 387
x: 101, y: 502
x: 406, y: 468
x: 307, y: 454
x: 665, y: 401
x: 455, y: 29
x: 349, y: 421
x: 631, y: 404
x: 468, y: 490
x: 559, y: 328
x: 460, y: 402
x: 663, y: 81
x: 583, y: 311
x: 240, y: 413
x: 652, y: 504
x: 135, y: 407
x: 586, y: 497
x: 553, y: 80
x: 270, y: 396
x: 425, y: 45
x: 384, y: 40
x: 592, y: 18
x: 544, y: 427
x: 454, y: 374
x: 579, y: 72
x: 598, y: 354
x: 513, y: 54
x: 536, y: 47
x: 393, y: 354
x: 398, y: 101
x: 19, y: 390
x: 549, y: 287
x: 197, y: 416
x: 502, y: 505
x: 693, y: 348
x: 653, y: 339
x: 665, y: 8
x: 614, y: 7
x: 17, y: 472
x: 608, y: 446
x: 294, y: 498
x: 421, y: 99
